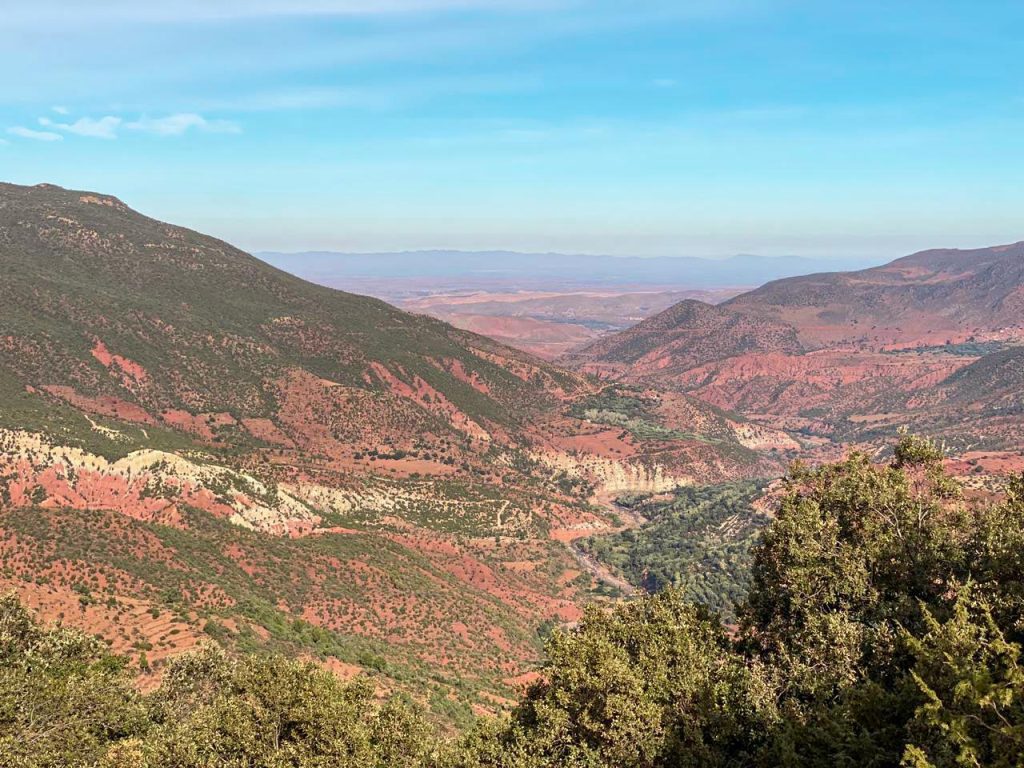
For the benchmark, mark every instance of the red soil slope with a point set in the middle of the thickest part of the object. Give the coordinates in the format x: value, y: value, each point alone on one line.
x: 927, y: 340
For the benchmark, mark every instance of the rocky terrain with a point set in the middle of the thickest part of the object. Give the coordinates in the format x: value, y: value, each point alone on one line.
x: 931, y: 341
x: 194, y: 444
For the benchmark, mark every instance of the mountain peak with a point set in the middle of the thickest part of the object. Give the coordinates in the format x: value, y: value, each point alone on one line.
x: 53, y: 194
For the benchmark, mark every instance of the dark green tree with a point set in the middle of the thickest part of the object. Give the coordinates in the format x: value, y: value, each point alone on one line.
x: 652, y: 683
x: 269, y: 711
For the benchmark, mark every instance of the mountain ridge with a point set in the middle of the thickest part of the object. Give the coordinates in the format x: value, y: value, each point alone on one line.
x: 331, y: 267
x: 854, y: 354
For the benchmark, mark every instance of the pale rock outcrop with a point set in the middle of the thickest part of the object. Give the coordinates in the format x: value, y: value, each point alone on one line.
x: 613, y: 477
x: 145, y: 484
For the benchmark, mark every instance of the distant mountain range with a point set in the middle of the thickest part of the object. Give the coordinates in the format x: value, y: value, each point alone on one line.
x: 545, y: 303
x: 560, y: 269
x: 932, y: 340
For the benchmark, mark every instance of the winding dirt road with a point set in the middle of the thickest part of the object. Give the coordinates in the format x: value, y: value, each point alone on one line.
x: 598, y: 570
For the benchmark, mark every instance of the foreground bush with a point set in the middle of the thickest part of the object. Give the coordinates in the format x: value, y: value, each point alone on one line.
x: 63, y: 698
x: 65, y: 701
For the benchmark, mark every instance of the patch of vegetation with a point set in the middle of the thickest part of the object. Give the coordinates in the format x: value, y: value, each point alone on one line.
x: 633, y: 414
x: 962, y: 349
x: 76, y: 707
x: 21, y: 409
x: 699, y: 541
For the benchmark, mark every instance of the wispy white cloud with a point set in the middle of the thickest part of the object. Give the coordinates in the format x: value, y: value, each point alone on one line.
x: 378, y: 96
x: 29, y: 133
x: 182, y: 122
x: 95, y: 128
x: 110, y: 126
x: 60, y: 110
x: 299, y: 98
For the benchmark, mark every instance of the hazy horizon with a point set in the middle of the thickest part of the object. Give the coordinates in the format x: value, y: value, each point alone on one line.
x: 550, y: 271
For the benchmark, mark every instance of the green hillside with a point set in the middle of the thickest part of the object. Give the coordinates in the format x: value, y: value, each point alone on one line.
x: 209, y: 325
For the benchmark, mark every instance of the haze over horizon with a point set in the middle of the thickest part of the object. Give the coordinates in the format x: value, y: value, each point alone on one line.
x: 583, y: 126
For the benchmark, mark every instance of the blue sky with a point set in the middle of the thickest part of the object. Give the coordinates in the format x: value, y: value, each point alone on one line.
x: 646, y: 127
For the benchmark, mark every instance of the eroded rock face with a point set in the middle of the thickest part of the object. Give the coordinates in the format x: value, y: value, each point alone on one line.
x: 150, y: 485
x: 613, y: 477
x: 145, y: 485
x: 759, y: 438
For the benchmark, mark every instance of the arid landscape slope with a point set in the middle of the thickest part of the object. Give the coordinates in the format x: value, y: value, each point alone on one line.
x: 550, y: 323
x: 196, y: 444
x: 930, y: 341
